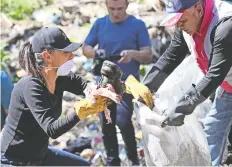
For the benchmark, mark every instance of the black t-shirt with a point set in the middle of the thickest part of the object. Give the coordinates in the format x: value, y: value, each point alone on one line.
x: 34, y: 116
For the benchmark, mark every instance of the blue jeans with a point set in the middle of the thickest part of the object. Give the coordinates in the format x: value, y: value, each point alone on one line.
x: 120, y: 115
x: 217, y: 124
x: 53, y: 157
x: 57, y: 157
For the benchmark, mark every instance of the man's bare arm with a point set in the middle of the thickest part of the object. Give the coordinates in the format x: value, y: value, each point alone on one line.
x: 144, y: 55
x: 88, y: 51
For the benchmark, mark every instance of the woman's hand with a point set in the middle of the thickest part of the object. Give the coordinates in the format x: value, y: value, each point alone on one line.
x: 97, y: 102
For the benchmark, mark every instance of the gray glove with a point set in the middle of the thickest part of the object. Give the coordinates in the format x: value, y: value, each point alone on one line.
x: 185, y: 106
x: 100, y: 54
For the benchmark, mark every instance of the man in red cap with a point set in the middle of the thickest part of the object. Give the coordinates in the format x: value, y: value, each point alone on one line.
x: 204, y: 27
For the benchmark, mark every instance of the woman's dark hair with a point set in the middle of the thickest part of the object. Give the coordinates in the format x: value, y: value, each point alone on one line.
x: 31, y: 62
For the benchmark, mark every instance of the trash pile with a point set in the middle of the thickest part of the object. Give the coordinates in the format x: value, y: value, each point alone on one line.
x: 85, y: 140
x: 75, y: 18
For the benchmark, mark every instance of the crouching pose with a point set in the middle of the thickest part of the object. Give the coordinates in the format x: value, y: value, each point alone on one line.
x: 36, y: 103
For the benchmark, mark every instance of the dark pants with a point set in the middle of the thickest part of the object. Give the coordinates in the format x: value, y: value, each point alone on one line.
x: 120, y: 115
x: 230, y: 136
x: 53, y: 157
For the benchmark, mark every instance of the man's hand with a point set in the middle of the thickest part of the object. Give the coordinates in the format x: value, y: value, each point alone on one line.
x: 173, y: 118
x: 126, y: 56
x: 100, y: 53
x: 139, y: 91
x: 185, y: 106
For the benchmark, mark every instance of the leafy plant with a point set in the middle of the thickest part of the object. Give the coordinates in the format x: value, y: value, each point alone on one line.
x: 4, y: 64
x: 20, y: 9
x: 3, y: 54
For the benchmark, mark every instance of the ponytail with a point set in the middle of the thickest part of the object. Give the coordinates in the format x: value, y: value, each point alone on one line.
x: 28, y: 61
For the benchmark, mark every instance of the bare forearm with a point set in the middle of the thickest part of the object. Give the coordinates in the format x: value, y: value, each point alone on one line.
x: 142, y: 56
x: 88, y: 51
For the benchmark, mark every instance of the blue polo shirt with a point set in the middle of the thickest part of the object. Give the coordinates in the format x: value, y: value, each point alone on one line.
x: 114, y: 38
x: 6, y: 89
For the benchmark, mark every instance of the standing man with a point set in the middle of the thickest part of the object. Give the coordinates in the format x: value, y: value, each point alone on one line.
x: 6, y: 89
x: 120, y: 34
x: 204, y: 29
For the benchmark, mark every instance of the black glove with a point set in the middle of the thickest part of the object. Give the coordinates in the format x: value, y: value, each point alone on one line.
x: 185, y: 106
x: 111, y: 74
x: 100, y: 56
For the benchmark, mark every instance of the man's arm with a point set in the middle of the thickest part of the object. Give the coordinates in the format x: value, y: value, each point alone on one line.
x: 221, y: 59
x: 171, y: 58
x: 91, y: 41
x: 220, y: 64
x: 88, y: 51
x: 144, y: 54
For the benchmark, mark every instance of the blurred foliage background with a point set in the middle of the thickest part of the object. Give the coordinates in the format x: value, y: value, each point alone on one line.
x: 21, y: 9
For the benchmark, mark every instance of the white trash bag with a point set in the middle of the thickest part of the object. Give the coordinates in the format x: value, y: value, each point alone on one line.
x: 176, y: 146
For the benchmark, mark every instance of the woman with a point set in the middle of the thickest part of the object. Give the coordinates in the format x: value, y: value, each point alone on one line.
x: 36, y: 103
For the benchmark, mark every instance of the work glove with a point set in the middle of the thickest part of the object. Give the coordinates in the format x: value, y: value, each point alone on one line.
x: 139, y: 91
x: 111, y: 74
x: 185, y: 106
x: 97, y: 100
x: 100, y: 54
x: 86, y: 107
